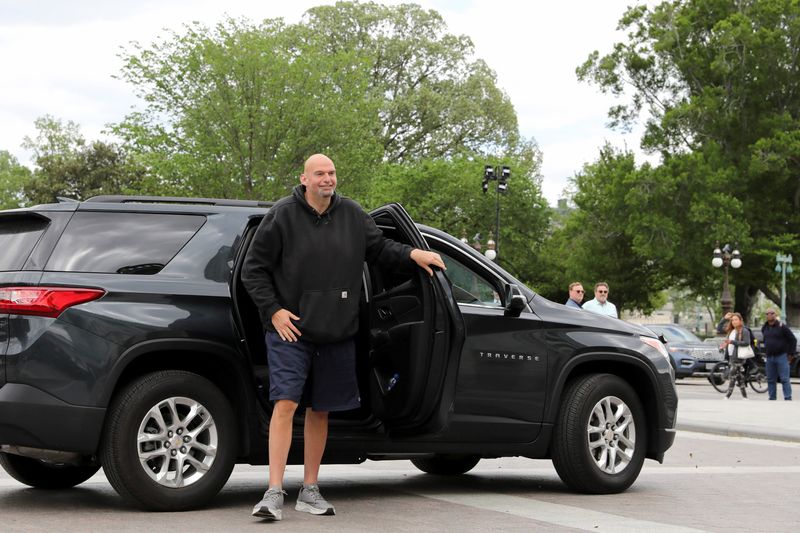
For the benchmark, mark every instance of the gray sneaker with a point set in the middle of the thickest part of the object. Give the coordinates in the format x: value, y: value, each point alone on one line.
x: 311, y: 501
x: 271, y: 505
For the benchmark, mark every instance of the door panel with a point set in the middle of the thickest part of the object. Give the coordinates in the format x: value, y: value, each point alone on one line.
x: 410, y: 328
x: 503, y: 367
x: 502, y: 372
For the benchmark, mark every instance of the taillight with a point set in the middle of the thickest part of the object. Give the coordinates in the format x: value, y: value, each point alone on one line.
x: 44, y: 301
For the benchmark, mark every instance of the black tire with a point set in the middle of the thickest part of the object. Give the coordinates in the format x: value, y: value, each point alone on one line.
x: 719, y: 376
x: 757, y: 379
x: 446, y: 465
x: 45, y: 475
x: 155, y: 407
x: 622, y: 453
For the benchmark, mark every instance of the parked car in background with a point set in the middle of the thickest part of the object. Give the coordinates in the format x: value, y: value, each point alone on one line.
x: 689, y: 353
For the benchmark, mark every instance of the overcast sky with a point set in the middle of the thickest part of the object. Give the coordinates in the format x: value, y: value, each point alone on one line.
x: 59, y: 57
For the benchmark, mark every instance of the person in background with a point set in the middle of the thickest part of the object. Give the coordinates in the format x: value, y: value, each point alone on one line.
x: 575, y: 295
x: 722, y: 325
x: 779, y: 342
x: 738, y: 336
x: 600, y: 304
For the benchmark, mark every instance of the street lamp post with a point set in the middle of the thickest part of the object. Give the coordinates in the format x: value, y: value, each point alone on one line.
x: 490, y: 252
x: 723, y: 258
x: 501, y: 175
x: 783, y: 264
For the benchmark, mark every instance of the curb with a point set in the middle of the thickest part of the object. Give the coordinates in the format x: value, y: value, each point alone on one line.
x: 732, y: 430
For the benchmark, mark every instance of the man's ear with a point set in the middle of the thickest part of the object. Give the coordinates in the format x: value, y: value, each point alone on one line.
x: 303, y: 179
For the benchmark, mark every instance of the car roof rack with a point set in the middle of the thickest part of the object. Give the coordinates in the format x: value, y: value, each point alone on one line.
x: 123, y: 199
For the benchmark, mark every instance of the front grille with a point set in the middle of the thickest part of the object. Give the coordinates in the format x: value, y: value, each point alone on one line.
x: 707, y: 354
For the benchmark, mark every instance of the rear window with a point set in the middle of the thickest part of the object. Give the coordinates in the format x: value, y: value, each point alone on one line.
x: 18, y: 235
x: 122, y: 243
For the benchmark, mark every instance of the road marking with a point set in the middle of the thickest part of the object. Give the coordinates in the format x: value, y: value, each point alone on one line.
x: 682, y: 470
x: 682, y: 434
x: 554, y: 513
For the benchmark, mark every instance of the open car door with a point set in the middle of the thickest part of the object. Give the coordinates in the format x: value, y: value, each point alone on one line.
x: 415, y: 332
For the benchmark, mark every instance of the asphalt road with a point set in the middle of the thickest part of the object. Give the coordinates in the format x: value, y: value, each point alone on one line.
x: 707, y: 483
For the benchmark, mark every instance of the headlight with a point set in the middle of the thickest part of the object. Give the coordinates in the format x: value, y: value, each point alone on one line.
x: 657, y: 344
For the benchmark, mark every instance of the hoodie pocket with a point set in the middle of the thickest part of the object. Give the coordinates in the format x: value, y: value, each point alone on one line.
x: 328, y: 315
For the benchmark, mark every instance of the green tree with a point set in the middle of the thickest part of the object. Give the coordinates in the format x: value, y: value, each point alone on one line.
x: 599, y: 242
x: 719, y: 83
x: 434, y: 99
x: 13, y: 178
x: 446, y: 193
x: 66, y: 166
x: 235, y: 109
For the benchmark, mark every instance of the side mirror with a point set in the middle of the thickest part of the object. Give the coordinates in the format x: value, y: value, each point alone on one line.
x: 515, y: 301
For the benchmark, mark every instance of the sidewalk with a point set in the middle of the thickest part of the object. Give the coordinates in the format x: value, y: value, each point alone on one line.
x: 755, y: 417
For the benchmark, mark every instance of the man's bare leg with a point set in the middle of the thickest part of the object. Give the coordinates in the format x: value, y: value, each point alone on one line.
x: 280, y: 440
x: 316, y: 435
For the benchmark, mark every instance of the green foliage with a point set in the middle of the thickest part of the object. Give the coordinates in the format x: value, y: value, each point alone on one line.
x: 13, y: 178
x: 234, y: 110
x: 433, y: 99
x: 604, y: 239
x: 719, y: 82
x: 66, y: 166
x: 446, y: 193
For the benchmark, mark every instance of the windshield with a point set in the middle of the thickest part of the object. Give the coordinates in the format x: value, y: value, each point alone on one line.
x: 675, y: 334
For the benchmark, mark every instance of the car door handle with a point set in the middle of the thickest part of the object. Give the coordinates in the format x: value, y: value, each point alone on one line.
x: 385, y: 313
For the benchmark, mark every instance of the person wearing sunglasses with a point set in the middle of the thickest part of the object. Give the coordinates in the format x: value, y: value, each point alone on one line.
x: 575, y: 295
x: 779, y: 342
x: 600, y: 304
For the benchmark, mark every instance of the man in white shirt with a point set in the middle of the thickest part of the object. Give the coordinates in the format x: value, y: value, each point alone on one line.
x: 600, y: 303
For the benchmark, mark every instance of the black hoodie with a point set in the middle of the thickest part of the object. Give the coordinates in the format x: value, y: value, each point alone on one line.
x: 311, y: 264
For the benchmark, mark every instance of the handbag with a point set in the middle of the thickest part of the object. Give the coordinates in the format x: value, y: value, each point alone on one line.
x: 745, y: 352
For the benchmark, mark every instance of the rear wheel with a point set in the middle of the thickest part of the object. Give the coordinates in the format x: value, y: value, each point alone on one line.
x: 719, y: 376
x: 446, y: 465
x: 170, y: 441
x: 45, y: 475
x: 600, y: 437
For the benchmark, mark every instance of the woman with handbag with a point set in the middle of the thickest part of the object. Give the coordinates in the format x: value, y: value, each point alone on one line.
x: 739, y: 350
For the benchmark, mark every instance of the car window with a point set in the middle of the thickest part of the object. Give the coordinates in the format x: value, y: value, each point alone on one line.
x: 675, y: 334
x: 122, y: 243
x: 18, y: 236
x: 687, y: 335
x: 468, y: 286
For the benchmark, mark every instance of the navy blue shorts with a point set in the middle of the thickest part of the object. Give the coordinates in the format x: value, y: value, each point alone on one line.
x: 331, y: 369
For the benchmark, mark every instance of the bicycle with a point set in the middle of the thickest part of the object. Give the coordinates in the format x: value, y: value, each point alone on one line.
x: 754, y: 376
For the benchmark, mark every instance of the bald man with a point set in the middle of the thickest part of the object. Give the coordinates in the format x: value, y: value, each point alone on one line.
x: 303, y: 271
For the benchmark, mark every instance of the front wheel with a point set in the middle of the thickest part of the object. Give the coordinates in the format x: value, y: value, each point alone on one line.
x: 446, y: 465
x: 45, y: 475
x: 719, y: 376
x: 600, y: 436
x: 757, y: 379
x: 170, y: 441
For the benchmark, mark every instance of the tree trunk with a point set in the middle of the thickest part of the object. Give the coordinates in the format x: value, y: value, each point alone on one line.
x: 792, y: 308
x: 744, y: 298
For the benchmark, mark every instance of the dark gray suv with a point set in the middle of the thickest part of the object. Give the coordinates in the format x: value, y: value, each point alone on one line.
x: 127, y: 341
